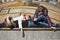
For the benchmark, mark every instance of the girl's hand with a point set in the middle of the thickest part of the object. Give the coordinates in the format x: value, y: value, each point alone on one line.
x: 35, y: 19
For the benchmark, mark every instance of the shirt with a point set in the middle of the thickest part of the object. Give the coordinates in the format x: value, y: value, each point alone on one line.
x: 20, y: 18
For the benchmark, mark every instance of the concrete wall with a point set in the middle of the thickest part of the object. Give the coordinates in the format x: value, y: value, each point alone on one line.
x: 30, y: 35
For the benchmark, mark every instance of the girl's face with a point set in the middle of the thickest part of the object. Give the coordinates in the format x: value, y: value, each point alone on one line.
x: 40, y: 9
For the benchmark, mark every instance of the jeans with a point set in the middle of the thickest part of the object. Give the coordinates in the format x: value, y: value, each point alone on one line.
x: 2, y: 25
x: 42, y: 22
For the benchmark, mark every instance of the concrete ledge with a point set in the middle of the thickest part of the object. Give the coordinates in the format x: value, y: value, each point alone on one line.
x: 29, y: 34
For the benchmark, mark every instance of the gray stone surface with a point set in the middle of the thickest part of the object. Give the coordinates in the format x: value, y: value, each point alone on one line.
x: 30, y: 35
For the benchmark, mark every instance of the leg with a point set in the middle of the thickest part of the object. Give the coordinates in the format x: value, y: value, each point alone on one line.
x: 39, y: 24
x: 2, y: 25
x: 32, y: 24
x: 43, y: 25
x: 56, y: 25
x: 41, y: 18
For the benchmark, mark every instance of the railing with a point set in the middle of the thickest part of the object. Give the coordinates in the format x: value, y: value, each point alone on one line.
x: 29, y: 29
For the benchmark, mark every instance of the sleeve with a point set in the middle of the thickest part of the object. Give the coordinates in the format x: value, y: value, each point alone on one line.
x: 49, y: 21
x: 36, y: 14
x: 20, y: 21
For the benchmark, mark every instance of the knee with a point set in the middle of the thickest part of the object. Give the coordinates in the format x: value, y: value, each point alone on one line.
x: 41, y: 16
